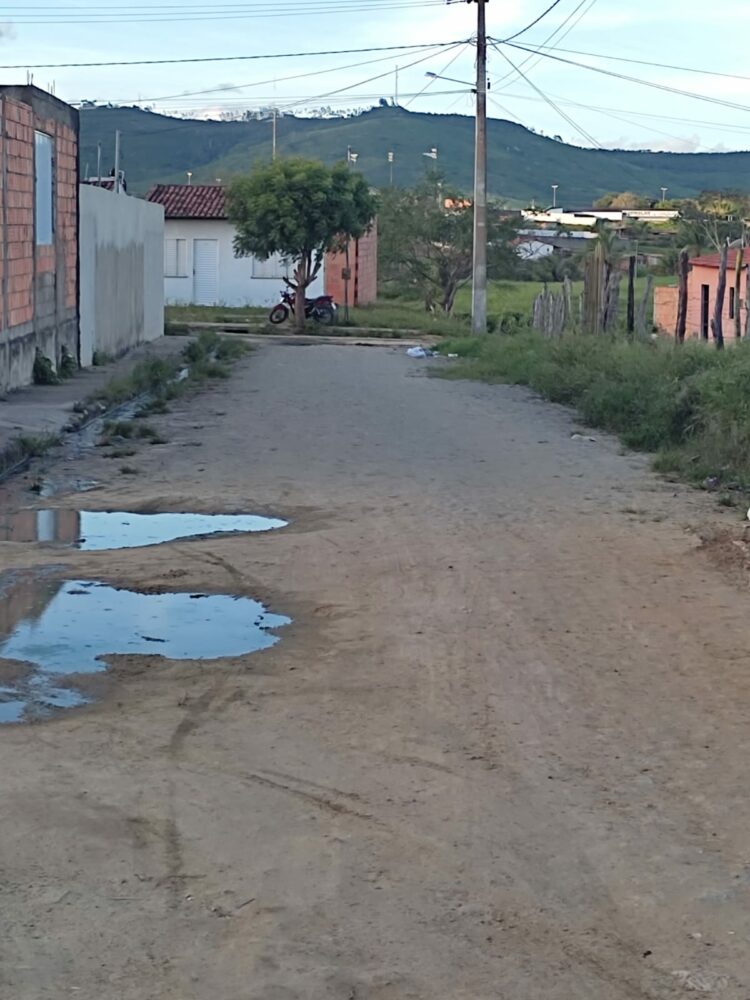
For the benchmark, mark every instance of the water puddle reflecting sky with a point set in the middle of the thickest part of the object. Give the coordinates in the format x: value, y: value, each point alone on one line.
x: 98, y: 530
x: 82, y: 622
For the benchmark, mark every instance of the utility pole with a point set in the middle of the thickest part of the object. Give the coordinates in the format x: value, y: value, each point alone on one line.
x: 479, y: 276
x: 391, y: 158
x: 395, y: 95
x: 554, y: 195
x: 116, y: 185
x: 273, y: 141
x: 99, y: 164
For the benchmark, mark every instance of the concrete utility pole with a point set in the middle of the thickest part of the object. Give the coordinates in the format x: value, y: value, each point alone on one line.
x: 273, y: 149
x: 554, y: 194
x: 479, y: 276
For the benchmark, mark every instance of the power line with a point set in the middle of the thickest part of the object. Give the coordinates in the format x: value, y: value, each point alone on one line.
x: 645, y: 62
x: 437, y: 77
x: 221, y: 59
x: 586, y: 135
x: 258, y: 83
x: 534, y: 22
x: 634, y: 79
x: 155, y: 17
x: 558, y: 29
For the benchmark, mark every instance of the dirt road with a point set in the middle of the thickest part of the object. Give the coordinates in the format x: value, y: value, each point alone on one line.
x: 501, y: 754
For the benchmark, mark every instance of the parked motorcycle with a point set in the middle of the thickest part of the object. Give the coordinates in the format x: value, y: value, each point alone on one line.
x: 321, y: 309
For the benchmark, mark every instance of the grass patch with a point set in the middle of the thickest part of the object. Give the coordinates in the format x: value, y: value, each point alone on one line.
x: 36, y: 445
x: 117, y: 430
x: 182, y: 316
x: 689, y: 405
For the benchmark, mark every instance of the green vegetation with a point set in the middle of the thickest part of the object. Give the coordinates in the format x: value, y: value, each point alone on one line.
x: 44, y: 371
x: 301, y: 210
x: 690, y: 405
x: 115, y: 430
x: 179, y: 318
x: 521, y: 164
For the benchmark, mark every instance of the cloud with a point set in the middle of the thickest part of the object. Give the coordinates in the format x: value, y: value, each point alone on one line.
x: 7, y: 31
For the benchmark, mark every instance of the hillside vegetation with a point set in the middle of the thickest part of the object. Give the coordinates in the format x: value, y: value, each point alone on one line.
x: 521, y: 164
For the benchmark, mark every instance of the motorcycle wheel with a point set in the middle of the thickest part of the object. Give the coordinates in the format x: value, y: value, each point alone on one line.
x: 325, y: 315
x: 279, y: 314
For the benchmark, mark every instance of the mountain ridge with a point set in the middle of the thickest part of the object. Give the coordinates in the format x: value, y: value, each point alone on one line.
x: 522, y: 165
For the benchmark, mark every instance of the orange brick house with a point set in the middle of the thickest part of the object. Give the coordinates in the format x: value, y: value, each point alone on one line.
x: 703, y: 280
x: 363, y: 270
x: 38, y: 231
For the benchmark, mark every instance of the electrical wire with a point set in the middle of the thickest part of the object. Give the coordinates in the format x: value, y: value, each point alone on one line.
x: 260, y: 83
x: 222, y: 59
x: 645, y: 62
x: 531, y: 59
x: 634, y: 79
x: 435, y: 78
x: 586, y: 135
x: 155, y: 17
x: 534, y: 23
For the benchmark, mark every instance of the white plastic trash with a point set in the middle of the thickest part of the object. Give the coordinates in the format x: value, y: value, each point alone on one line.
x: 417, y: 352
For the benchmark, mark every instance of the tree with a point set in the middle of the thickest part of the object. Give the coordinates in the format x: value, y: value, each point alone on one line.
x: 625, y: 199
x: 426, y: 242
x: 300, y: 209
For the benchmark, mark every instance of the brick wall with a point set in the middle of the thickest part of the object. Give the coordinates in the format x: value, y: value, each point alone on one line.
x: 363, y: 264
x: 38, y: 284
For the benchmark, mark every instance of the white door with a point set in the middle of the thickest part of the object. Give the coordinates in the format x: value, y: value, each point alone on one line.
x: 205, y: 272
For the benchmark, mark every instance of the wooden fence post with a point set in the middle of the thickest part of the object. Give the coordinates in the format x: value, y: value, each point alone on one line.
x: 640, y: 323
x: 631, y: 295
x: 682, y: 297
x: 717, y: 323
x: 738, y: 294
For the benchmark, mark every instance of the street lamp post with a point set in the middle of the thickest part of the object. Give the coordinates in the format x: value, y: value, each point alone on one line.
x: 554, y: 195
x: 664, y: 194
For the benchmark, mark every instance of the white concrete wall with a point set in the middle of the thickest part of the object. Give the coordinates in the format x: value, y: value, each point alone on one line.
x: 236, y: 284
x: 121, y: 255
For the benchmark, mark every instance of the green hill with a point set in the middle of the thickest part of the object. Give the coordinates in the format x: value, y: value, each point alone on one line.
x: 522, y: 164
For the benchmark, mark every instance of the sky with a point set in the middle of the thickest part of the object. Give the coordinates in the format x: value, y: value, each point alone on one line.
x: 550, y: 95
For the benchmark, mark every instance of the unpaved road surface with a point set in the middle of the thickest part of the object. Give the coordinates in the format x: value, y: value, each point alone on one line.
x: 501, y: 754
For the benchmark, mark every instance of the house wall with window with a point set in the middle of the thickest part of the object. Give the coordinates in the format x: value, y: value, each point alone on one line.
x: 703, y: 282
x: 38, y: 231
x: 200, y: 268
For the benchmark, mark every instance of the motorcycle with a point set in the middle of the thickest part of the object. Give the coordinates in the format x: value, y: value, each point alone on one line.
x: 321, y: 309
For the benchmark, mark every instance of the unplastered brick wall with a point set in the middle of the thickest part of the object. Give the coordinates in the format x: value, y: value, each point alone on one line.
x: 38, y: 283
x: 363, y: 265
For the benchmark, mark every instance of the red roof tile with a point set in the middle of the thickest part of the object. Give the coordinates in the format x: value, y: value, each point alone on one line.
x: 190, y: 201
x: 714, y: 259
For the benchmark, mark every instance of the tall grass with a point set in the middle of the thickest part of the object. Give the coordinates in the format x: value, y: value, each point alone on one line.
x: 691, y: 404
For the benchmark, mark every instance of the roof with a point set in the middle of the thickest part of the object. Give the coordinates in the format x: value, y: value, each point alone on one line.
x: 190, y: 201
x: 714, y: 259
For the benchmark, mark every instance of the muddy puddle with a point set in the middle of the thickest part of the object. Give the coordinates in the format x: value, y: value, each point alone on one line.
x: 93, y: 531
x: 64, y: 629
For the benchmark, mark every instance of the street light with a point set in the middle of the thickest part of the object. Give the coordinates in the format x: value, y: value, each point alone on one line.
x: 554, y: 195
x: 391, y: 160
x: 664, y: 194
x: 189, y: 177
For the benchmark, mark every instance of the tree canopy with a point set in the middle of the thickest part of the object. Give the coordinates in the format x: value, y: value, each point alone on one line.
x: 300, y: 209
x: 425, y: 237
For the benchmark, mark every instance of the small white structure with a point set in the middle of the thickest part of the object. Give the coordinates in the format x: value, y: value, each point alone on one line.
x: 200, y: 267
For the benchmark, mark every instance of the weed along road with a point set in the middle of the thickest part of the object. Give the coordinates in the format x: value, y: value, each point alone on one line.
x: 479, y: 732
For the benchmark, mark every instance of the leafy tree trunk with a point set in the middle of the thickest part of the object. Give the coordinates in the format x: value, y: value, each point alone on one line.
x: 449, y: 297
x: 682, y: 297
x: 631, y: 296
x: 717, y: 323
x: 301, y: 281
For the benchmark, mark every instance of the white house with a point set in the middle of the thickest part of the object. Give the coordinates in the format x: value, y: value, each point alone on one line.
x: 200, y: 267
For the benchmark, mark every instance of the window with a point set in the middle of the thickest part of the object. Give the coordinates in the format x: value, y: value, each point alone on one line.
x: 731, y: 303
x: 274, y: 267
x: 175, y: 259
x: 43, y: 215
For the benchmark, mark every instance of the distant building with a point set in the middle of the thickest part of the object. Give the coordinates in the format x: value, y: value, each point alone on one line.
x: 200, y: 267
x: 703, y: 279
x: 589, y: 217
